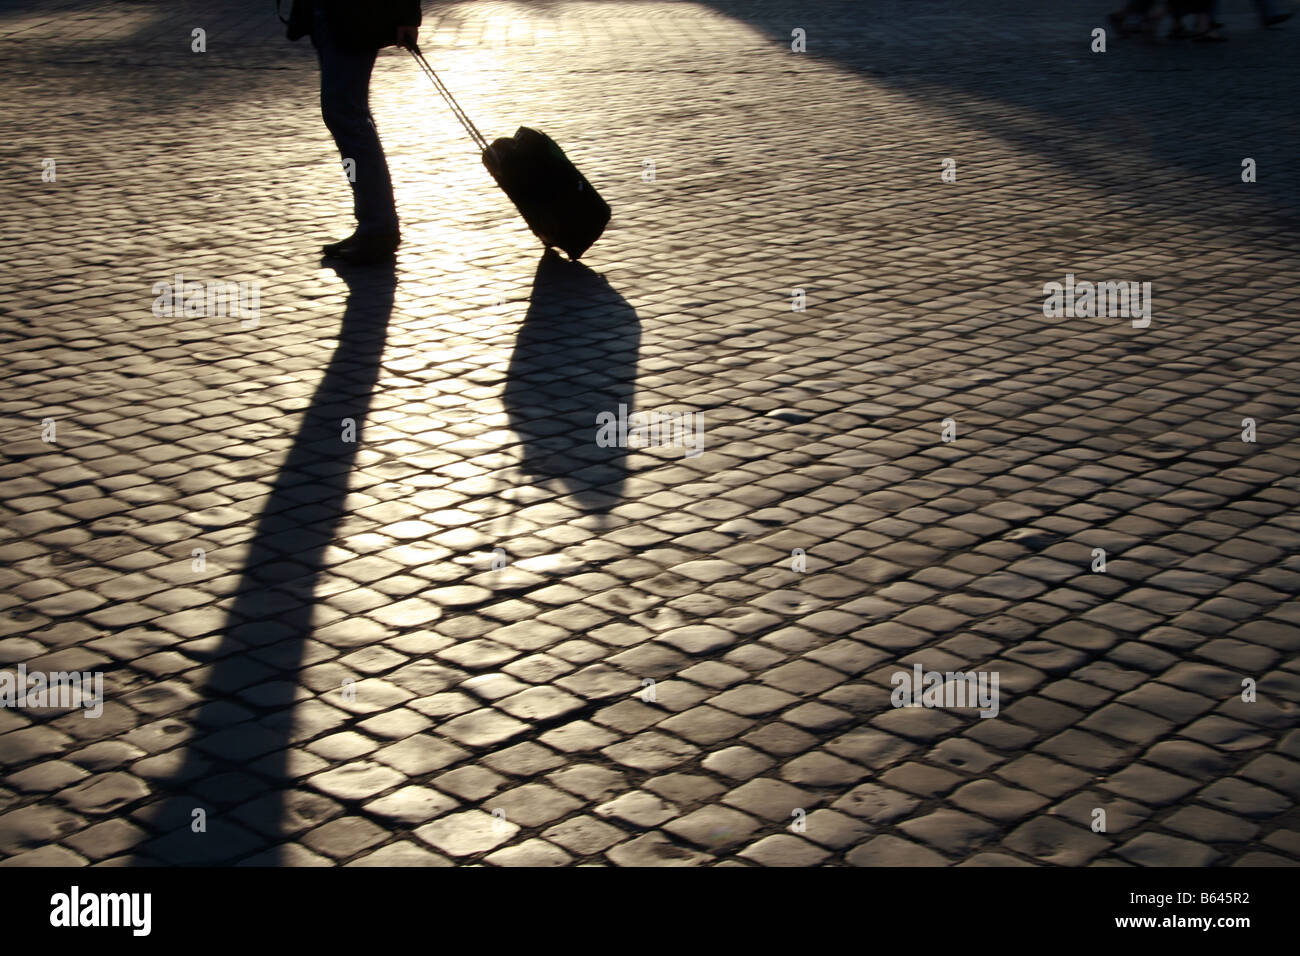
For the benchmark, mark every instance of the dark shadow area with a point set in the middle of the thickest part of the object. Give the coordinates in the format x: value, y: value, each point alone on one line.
x: 234, y: 765
x: 575, y: 358
x: 1024, y: 72
x: 160, y: 38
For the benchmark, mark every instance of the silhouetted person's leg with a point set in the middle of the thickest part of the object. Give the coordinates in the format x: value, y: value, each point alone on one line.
x: 345, y: 107
x: 1269, y: 14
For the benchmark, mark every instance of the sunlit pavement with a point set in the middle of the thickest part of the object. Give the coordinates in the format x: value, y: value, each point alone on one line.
x: 364, y: 588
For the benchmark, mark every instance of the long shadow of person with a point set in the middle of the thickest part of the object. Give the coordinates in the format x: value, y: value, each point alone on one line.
x: 235, y: 765
x: 575, y: 357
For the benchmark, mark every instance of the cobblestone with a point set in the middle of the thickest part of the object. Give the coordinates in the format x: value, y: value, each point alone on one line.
x: 475, y: 635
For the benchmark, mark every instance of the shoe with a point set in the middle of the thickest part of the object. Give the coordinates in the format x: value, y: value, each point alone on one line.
x: 367, y: 250
x: 1209, y: 36
x: 334, y: 248
x: 1277, y: 18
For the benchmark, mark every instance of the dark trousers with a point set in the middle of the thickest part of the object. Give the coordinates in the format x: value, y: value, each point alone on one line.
x: 345, y: 107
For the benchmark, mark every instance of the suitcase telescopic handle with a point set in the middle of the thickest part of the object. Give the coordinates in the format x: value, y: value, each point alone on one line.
x: 479, y: 140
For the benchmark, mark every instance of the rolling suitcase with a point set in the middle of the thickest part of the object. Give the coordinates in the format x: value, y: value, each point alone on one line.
x: 556, y: 201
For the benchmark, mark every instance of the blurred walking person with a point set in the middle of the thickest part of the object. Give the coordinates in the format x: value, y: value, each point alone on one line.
x: 1205, y: 28
x: 1138, y: 15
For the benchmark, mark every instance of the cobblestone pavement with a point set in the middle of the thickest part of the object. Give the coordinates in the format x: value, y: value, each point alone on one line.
x: 473, y: 633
